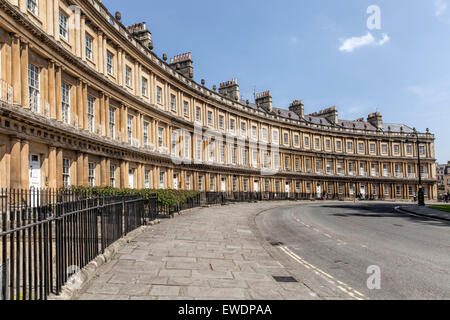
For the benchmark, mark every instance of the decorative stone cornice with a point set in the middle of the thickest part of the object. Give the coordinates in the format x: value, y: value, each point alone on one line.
x: 211, y: 96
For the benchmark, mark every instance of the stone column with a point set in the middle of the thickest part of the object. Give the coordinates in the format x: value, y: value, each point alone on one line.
x: 25, y: 164
x: 85, y: 169
x: 56, y: 18
x: 82, y: 36
x: 79, y: 106
x: 51, y: 89
x: 119, y: 67
x: 59, y: 164
x: 80, y: 169
x: 15, y: 69
x: 137, y: 85
x: 123, y: 68
x: 52, y: 167
x: 77, y: 34
x: 107, y: 172
x: 50, y: 21
x: 123, y: 174
x: 101, y: 112
x: 84, y: 104
x: 123, y: 123
x: 139, y: 176
x: 104, y: 47
x: 23, y: 6
x: 103, y: 170
x: 106, y: 124
x: 100, y: 52
x: 58, y: 93
x: 15, y: 164
x: 24, y: 73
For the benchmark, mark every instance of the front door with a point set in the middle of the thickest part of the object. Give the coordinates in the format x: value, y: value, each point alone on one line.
x: 256, y: 185
x: 175, y: 181
x: 131, y: 178
x: 35, y: 171
x: 319, y: 190
x: 35, y: 178
x: 288, y: 189
x: 363, y: 192
x: 223, y: 186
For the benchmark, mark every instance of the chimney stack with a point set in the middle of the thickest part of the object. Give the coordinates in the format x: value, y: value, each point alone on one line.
x: 183, y: 64
x: 375, y: 119
x: 141, y: 34
x: 331, y: 114
x: 230, y: 89
x: 298, y: 108
x: 264, y: 100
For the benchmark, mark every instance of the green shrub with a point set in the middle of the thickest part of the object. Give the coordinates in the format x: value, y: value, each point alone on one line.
x: 169, y: 198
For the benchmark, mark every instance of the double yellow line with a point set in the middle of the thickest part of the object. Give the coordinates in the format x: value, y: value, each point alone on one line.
x: 329, y: 278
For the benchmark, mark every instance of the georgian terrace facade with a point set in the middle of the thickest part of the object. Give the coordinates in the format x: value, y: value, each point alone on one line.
x: 85, y: 101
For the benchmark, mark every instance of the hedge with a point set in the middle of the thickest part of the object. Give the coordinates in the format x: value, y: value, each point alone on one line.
x: 169, y: 198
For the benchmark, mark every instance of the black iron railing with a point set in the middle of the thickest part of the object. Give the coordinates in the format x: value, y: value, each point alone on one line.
x: 46, y: 236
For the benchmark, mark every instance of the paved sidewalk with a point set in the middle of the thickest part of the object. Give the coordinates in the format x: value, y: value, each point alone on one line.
x: 426, y: 212
x: 210, y: 253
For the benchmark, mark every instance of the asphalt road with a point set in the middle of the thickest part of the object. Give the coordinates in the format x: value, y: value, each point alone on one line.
x: 330, y: 247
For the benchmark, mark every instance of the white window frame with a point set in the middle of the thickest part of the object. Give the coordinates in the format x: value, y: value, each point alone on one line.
x: 145, y: 132
x: 112, y: 122
x: 88, y: 45
x: 162, y: 176
x: 109, y: 63
x: 144, y: 87
x: 34, y: 87
x: 130, y: 128
x: 210, y: 118
x: 147, y: 179
x: 128, y: 76
x: 91, y: 174
x: 63, y: 26
x: 66, y: 172
x: 33, y: 6
x: 158, y: 94
x: 173, y: 102
x: 160, y: 137
x: 91, y: 113
x: 112, y: 176
x: 65, y: 102
x: 186, y: 108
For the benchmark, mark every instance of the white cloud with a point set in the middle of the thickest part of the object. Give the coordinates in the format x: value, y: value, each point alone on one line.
x: 440, y: 7
x: 350, y: 44
x: 384, y: 40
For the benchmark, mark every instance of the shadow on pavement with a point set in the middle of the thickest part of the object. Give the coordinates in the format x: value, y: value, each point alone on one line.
x: 381, y: 211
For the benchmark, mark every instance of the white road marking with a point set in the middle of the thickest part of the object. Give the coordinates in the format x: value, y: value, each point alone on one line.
x: 329, y: 278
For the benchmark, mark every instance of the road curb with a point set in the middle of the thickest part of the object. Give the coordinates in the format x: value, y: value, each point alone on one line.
x: 403, y: 210
x: 80, y: 281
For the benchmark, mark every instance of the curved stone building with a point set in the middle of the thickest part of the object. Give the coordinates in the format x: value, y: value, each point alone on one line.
x: 85, y: 101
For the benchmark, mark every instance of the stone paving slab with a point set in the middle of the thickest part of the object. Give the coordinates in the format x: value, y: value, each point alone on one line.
x: 209, y: 253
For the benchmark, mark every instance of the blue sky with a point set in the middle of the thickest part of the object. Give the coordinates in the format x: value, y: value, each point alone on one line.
x: 298, y: 50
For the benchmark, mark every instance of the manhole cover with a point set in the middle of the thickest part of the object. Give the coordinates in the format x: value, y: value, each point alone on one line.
x: 276, y: 243
x: 284, y: 279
